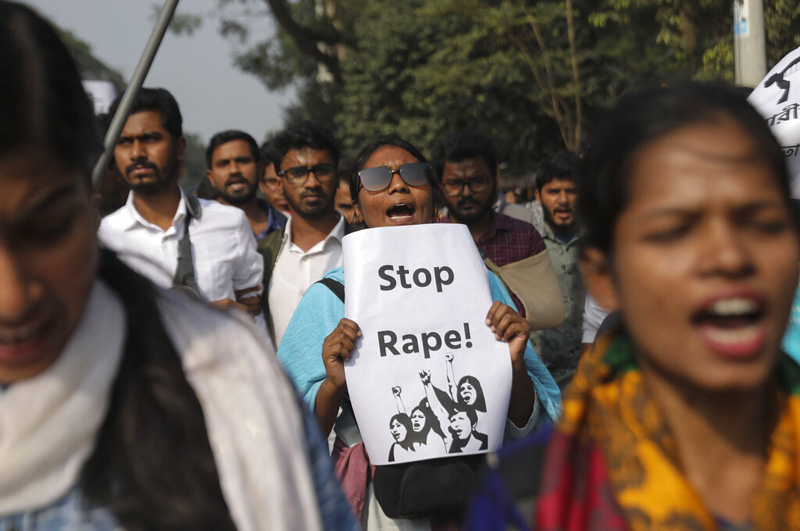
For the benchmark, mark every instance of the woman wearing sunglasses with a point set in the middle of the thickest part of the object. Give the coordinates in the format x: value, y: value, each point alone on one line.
x: 390, y: 185
x: 687, y: 415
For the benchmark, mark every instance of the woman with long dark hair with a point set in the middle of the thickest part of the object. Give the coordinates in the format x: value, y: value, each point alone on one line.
x: 122, y: 405
x: 470, y: 393
x: 687, y: 414
x: 403, y: 434
x: 427, y: 432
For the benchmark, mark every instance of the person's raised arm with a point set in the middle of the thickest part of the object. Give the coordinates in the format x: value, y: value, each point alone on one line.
x: 451, y: 377
x: 436, y: 406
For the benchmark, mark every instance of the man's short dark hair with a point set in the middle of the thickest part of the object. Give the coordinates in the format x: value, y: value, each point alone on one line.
x: 229, y: 136
x: 306, y: 134
x: 158, y: 100
x: 561, y: 165
x: 267, y: 152
x: 460, y: 146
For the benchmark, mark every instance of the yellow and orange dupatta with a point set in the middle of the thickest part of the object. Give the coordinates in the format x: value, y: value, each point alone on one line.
x: 612, y: 463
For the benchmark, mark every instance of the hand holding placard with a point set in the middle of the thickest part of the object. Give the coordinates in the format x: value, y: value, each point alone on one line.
x: 336, y: 349
x: 509, y: 326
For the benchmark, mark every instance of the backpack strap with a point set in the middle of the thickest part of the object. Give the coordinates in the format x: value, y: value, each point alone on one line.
x: 334, y: 285
x: 184, y: 273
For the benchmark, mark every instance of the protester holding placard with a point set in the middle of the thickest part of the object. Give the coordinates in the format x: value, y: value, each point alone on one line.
x: 687, y: 414
x: 319, y: 339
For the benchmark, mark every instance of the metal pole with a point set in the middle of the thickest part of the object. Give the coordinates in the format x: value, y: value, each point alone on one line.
x: 750, y: 54
x: 115, y: 128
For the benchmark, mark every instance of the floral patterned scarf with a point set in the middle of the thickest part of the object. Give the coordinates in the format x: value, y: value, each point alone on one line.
x: 612, y: 462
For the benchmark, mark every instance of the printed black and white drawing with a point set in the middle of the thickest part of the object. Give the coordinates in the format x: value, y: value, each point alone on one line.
x: 444, y: 421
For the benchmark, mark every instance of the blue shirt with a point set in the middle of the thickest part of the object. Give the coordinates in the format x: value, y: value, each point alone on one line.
x: 275, y: 220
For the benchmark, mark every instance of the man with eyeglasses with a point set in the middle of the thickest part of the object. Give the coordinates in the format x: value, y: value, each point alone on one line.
x: 466, y: 170
x: 305, y: 158
x: 234, y: 165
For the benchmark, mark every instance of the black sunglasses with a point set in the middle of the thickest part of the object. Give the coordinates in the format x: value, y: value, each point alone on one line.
x: 380, y: 177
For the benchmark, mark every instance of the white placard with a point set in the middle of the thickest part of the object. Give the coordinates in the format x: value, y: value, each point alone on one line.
x: 102, y: 94
x: 428, y: 378
x: 777, y: 98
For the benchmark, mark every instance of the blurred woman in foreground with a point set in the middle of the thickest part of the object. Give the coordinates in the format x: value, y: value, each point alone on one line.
x: 687, y: 416
x: 122, y: 405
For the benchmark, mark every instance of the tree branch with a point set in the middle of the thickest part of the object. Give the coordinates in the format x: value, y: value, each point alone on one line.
x: 576, y: 77
x: 318, y: 43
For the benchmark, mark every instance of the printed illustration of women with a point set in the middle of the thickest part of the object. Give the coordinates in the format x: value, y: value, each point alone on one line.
x: 400, y: 427
x: 470, y: 394
x: 440, y: 411
x: 427, y: 433
x: 466, y: 438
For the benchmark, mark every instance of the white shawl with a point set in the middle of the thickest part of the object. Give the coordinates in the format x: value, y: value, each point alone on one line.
x: 48, y: 423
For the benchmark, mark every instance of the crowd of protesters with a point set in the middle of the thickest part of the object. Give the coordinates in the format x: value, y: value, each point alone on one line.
x: 177, y: 362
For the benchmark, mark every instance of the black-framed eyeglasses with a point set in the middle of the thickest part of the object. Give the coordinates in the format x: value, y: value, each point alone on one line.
x: 380, y: 177
x: 477, y: 185
x: 297, y: 175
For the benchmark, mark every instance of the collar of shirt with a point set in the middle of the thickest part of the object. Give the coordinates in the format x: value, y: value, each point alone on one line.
x: 275, y: 220
x: 548, y: 234
x: 496, y: 223
x: 337, y: 233
x: 133, y: 217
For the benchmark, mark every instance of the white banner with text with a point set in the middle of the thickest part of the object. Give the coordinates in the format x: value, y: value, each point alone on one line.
x: 427, y: 378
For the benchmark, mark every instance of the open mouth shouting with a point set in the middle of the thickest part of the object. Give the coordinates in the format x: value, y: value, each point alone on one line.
x: 401, y: 214
x: 238, y: 185
x: 563, y: 214
x: 732, y: 326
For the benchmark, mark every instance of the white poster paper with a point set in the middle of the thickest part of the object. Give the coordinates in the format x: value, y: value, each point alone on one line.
x: 102, y: 94
x: 427, y: 378
x: 777, y: 98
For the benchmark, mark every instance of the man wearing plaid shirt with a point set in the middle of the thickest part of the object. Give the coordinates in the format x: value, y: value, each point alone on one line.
x: 465, y: 166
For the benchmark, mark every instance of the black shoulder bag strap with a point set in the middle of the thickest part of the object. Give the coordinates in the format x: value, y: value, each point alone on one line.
x: 184, y: 273
x: 335, y: 286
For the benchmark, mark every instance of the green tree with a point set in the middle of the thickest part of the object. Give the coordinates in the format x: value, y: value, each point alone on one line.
x: 531, y: 74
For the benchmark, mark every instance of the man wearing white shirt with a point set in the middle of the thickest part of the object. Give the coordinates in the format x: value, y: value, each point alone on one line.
x: 217, y: 258
x: 305, y: 158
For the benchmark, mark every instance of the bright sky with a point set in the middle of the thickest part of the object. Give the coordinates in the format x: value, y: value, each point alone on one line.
x: 198, y: 70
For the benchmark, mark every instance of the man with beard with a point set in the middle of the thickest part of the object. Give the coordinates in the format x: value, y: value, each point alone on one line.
x: 171, y: 237
x: 305, y: 157
x: 465, y: 165
x: 233, y: 169
x: 557, y: 193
